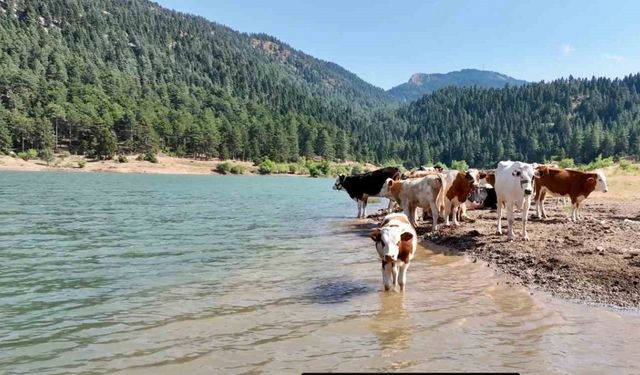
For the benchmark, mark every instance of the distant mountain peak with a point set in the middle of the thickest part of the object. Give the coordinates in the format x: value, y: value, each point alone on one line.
x: 420, y: 84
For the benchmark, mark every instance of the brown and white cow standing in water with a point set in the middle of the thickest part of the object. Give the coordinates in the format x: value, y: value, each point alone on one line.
x: 566, y: 182
x: 396, y: 243
x: 425, y: 192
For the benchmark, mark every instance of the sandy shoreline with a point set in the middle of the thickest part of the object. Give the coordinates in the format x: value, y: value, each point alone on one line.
x: 165, y: 165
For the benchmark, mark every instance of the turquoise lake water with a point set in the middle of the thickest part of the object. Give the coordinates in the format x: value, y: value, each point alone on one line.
x: 163, y: 274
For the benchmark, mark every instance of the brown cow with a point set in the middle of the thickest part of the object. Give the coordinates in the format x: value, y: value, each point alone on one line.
x: 459, y: 185
x: 565, y: 182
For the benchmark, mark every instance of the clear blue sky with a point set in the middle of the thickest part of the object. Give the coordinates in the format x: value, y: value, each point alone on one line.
x: 384, y: 42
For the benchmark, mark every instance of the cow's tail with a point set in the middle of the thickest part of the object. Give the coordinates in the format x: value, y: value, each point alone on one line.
x: 441, y: 194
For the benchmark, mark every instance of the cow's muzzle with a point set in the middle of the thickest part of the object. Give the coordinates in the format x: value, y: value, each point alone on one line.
x: 527, y: 191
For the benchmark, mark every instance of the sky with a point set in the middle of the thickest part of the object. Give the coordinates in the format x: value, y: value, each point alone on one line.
x: 385, y: 42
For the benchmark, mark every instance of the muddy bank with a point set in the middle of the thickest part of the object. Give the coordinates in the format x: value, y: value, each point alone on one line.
x: 596, y: 260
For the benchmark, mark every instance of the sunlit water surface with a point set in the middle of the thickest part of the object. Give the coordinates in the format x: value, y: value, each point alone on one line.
x: 160, y: 274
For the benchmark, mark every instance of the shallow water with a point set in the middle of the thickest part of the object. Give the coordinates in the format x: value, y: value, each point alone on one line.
x: 159, y: 274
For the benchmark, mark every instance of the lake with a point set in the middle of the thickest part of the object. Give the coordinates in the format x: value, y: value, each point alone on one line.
x: 164, y: 274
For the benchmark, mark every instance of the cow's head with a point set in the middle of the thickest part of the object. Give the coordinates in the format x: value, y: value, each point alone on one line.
x: 525, y: 173
x: 542, y: 170
x: 478, y: 195
x: 385, y: 191
x: 388, y: 241
x: 339, y: 182
x: 473, y: 176
x: 601, y: 182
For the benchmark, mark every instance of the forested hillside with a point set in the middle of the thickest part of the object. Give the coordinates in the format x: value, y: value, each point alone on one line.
x: 107, y: 74
x: 420, y: 84
x: 103, y: 77
x: 578, y: 118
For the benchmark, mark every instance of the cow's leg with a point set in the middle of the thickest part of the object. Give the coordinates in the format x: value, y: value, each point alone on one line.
x: 410, y: 211
x: 390, y: 207
x: 364, y: 207
x: 525, y: 214
x: 574, y: 208
x: 359, y: 207
x: 499, y: 209
x: 542, y: 199
x: 447, y: 212
x: 395, y: 270
x: 455, y: 206
x: 510, y: 221
x: 387, y: 276
x: 402, y: 277
x: 434, y: 215
x: 538, y: 202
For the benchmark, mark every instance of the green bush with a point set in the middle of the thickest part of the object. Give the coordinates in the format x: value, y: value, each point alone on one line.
x: 28, y: 155
x: 150, y: 157
x: 294, y: 168
x: 566, y: 163
x: 81, y: 163
x: 357, y: 169
x: 314, y: 171
x: 599, y: 163
x: 237, y: 169
x: 122, y: 159
x: 223, y: 168
x: 441, y: 165
x: 459, y: 165
x: 628, y: 166
x: 46, y: 155
x: 266, y: 167
x: 140, y: 157
x: 64, y: 154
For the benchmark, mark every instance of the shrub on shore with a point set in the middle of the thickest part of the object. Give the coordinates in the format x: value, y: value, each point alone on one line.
x: 28, y: 155
x: 150, y: 157
x: 46, y: 155
x: 228, y: 167
x: 598, y: 163
x: 82, y: 163
x: 122, y: 159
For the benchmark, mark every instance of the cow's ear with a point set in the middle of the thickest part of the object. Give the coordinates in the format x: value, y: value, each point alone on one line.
x: 390, y: 183
x: 591, y: 180
x: 482, y: 175
x: 406, y: 236
x: 542, y: 170
x: 375, y: 235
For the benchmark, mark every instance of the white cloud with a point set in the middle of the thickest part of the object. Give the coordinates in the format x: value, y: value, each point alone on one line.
x: 567, y: 49
x: 615, y: 58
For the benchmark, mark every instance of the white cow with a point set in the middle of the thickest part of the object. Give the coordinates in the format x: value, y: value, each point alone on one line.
x: 514, y: 186
x: 396, y: 243
x: 426, y: 192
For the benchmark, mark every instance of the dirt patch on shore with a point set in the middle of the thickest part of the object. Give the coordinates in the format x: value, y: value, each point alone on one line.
x: 596, y: 260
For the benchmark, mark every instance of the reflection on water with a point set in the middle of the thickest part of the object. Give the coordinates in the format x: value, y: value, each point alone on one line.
x: 392, y: 324
x: 143, y: 274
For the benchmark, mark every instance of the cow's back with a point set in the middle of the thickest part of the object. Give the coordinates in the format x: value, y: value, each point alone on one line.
x: 567, y: 181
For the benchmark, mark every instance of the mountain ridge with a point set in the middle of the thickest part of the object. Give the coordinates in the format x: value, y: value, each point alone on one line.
x: 420, y: 84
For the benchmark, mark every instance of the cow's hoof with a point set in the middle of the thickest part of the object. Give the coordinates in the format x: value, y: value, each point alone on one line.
x: 526, y: 238
x: 402, y: 287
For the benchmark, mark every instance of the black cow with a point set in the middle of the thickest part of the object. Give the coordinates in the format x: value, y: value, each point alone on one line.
x: 485, y: 196
x: 362, y: 186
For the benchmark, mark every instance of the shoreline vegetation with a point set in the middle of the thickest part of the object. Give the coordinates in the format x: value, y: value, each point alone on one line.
x: 32, y: 161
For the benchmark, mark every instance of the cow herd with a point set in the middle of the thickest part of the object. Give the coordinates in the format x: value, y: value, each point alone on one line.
x: 447, y: 194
